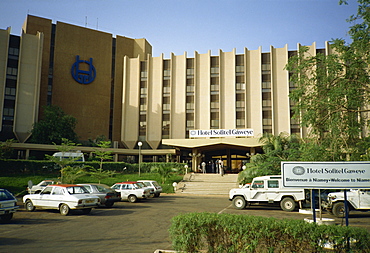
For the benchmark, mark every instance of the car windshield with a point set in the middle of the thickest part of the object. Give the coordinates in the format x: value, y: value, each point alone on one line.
x: 141, y: 184
x: 76, y: 189
x: 103, y: 188
x: 5, y: 195
x: 136, y: 185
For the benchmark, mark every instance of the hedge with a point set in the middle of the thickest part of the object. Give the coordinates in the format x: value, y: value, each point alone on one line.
x: 211, y: 232
x: 44, y: 167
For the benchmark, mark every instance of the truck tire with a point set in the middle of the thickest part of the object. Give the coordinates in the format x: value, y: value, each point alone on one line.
x: 338, y: 209
x: 288, y: 204
x: 239, y: 202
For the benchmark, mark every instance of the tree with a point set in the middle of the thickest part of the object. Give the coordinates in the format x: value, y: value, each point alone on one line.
x: 65, y: 164
x: 102, y: 154
x: 6, y: 150
x: 54, y: 126
x: 165, y: 171
x: 276, y: 149
x: 332, y: 94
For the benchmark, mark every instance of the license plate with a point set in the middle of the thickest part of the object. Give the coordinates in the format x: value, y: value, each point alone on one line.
x: 89, y: 201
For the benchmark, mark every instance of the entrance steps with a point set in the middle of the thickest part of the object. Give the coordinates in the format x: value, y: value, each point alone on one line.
x: 206, y: 184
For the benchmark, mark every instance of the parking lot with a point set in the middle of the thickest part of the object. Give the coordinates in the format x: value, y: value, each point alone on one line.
x: 126, y: 227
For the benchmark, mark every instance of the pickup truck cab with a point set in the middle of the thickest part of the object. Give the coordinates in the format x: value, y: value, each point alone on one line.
x: 267, y: 189
x: 357, y: 200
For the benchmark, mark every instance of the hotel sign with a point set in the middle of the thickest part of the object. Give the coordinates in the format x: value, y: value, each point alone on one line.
x: 323, y: 175
x: 221, y: 133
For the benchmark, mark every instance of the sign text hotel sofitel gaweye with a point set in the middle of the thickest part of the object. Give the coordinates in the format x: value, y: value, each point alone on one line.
x: 323, y: 175
x: 221, y: 133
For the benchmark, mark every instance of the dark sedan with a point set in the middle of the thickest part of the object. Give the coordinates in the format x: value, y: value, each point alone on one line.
x: 106, y: 194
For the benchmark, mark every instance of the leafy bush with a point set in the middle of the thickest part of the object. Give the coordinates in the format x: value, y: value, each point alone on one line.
x: 210, y: 232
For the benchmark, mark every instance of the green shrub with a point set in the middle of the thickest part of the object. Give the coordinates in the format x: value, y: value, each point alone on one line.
x: 210, y: 232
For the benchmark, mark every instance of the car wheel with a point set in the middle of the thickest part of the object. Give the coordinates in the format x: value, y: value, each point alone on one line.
x: 86, y: 211
x: 132, y: 198
x: 157, y: 195
x: 109, y: 204
x: 338, y: 209
x: 29, y: 206
x: 287, y: 204
x: 6, y: 217
x: 239, y: 202
x: 64, y: 209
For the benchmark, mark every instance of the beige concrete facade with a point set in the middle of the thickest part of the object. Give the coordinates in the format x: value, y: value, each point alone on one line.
x: 27, y: 72
x: 137, y: 97
x: 270, y: 95
x: 28, y: 88
x: 4, y: 46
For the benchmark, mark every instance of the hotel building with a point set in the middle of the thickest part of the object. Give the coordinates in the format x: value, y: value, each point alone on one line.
x: 114, y: 87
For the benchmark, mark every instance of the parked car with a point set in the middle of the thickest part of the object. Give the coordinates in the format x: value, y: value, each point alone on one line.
x: 8, y: 205
x: 64, y: 197
x: 151, y: 189
x: 131, y: 191
x: 39, y: 187
x: 106, y: 194
x: 153, y: 184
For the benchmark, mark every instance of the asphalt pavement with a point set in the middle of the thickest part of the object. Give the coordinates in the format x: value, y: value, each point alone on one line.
x: 126, y: 227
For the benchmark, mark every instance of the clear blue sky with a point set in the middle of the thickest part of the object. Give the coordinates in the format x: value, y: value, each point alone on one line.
x: 196, y: 25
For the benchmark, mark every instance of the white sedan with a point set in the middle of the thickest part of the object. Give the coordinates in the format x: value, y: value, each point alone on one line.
x: 64, y: 197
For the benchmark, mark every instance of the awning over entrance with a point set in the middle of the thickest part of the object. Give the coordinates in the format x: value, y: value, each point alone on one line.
x: 234, y: 151
x: 197, y: 143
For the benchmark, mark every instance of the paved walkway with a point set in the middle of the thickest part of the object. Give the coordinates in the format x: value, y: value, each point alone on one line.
x: 215, y: 184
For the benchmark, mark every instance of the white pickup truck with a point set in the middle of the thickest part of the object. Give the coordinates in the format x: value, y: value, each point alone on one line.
x: 267, y: 189
x: 356, y: 199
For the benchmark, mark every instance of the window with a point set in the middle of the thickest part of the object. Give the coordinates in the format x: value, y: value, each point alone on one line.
x: 47, y: 190
x: 11, y: 71
x: 258, y: 184
x: 13, y: 51
x: 273, y: 183
x: 58, y: 191
x: 215, y: 102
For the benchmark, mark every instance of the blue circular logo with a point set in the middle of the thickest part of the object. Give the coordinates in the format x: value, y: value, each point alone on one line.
x: 85, y: 75
x: 298, y: 170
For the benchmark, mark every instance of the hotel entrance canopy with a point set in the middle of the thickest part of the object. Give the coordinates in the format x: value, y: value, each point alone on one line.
x: 199, y: 143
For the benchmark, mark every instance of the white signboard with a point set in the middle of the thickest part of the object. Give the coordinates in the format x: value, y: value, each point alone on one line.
x: 221, y: 133
x: 322, y: 175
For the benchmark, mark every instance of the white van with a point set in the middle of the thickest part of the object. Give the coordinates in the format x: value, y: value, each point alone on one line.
x: 77, y: 156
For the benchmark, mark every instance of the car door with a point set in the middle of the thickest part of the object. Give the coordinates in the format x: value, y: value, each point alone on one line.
x: 57, y: 196
x: 272, y: 191
x: 43, y: 199
x: 258, y: 190
x: 126, y: 189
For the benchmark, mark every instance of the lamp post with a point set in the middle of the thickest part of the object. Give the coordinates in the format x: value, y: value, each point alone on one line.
x: 139, y: 144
